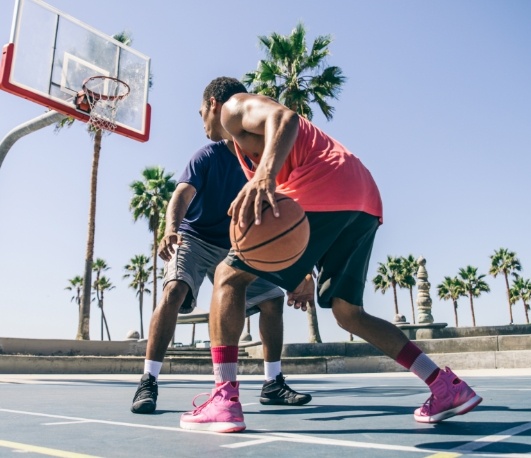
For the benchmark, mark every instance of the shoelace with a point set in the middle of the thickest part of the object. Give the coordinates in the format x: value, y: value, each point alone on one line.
x: 146, y: 389
x: 427, y: 404
x: 202, y: 406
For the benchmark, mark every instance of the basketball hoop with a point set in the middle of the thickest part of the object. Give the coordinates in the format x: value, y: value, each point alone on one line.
x: 99, y: 98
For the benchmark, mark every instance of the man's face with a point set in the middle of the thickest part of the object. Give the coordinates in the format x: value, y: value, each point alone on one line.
x: 211, y: 122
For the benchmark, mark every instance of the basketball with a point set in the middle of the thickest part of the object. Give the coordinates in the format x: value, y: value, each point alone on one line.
x: 275, y: 243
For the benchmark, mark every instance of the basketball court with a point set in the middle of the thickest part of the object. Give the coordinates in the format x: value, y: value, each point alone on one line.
x: 353, y: 415
x: 57, y: 61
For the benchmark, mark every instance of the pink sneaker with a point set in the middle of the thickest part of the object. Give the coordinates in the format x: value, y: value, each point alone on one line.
x: 450, y: 396
x: 222, y: 412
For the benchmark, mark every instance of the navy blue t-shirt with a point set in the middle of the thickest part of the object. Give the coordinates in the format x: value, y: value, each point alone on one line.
x: 217, y: 176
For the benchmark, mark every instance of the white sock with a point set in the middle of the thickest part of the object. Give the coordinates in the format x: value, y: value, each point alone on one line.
x: 152, y: 367
x: 272, y: 370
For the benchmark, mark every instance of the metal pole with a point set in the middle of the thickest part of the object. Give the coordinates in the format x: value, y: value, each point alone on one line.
x: 44, y: 120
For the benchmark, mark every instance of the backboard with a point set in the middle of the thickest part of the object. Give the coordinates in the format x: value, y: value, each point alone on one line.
x: 50, y: 54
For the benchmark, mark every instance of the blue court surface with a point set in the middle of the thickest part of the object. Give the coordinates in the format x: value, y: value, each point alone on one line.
x: 369, y: 415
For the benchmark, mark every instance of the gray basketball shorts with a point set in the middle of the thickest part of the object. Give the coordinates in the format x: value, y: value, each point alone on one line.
x: 195, y: 259
x: 340, y: 248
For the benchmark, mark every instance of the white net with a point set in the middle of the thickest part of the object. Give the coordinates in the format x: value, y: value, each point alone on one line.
x: 103, y: 95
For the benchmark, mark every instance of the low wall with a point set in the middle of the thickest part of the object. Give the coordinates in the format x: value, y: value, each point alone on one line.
x: 58, y: 347
x: 477, y: 331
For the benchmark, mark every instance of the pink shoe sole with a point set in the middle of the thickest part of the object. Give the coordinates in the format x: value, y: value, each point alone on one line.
x: 218, y: 427
x: 459, y: 410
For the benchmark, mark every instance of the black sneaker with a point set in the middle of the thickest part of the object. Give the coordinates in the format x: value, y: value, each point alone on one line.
x: 145, y: 400
x: 277, y: 392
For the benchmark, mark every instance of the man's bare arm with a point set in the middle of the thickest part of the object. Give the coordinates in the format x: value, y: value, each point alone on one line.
x: 177, y: 207
x: 257, y: 120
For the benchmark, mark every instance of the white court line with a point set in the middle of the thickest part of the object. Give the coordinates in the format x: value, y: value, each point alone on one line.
x: 480, y: 443
x: 304, y: 439
x: 300, y: 438
x: 258, y: 438
x: 484, y: 442
x: 66, y: 422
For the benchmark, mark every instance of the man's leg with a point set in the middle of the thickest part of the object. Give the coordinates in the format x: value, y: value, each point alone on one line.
x: 450, y: 395
x: 275, y: 390
x: 223, y: 412
x: 161, y: 329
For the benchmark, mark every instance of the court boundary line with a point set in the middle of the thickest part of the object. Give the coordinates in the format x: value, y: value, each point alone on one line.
x: 270, y: 436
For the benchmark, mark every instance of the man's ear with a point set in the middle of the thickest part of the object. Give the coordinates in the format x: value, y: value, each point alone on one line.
x: 214, y: 104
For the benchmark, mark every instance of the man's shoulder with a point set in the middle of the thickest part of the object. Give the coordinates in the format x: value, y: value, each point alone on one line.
x: 212, y: 148
x: 209, y: 152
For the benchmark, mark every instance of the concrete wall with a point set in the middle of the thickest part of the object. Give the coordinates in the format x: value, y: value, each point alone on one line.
x: 449, y: 333
x: 57, y: 347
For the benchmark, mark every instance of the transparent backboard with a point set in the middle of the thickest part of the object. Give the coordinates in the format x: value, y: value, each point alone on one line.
x: 50, y: 54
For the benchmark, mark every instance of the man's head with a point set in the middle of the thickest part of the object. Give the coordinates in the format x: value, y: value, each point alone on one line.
x: 215, y: 95
x: 222, y: 89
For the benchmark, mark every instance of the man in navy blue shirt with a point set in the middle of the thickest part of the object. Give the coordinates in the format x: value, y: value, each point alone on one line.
x: 196, y: 240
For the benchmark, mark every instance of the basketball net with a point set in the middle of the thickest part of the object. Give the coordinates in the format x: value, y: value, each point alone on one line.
x: 103, y: 94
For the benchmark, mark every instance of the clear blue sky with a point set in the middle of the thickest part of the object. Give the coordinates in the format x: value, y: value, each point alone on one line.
x: 437, y: 104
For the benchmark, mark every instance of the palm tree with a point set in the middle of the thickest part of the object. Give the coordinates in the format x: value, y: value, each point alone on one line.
x: 407, y: 278
x: 388, y: 277
x: 521, y: 289
x: 83, y: 330
x: 76, y: 284
x: 313, y: 325
x: 101, y: 285
x: 139, y: 272
x: 294, y: 76
x: 505, y: 262
x: 150, y: 200
x: 99, y: 266
x: 452, y: 289
x: 474, y: 286
x: 297, y: 79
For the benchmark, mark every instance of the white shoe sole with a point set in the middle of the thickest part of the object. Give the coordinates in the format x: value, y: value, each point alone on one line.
x: 459, y: 410
x: 218, y: 426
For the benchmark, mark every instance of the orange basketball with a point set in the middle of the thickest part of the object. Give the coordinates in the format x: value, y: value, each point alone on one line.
x: 276, y: 243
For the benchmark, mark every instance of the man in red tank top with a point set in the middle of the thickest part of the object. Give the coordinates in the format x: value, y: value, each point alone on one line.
x: 343, y: 206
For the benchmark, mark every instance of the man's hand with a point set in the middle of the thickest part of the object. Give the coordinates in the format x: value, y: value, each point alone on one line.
x: 166, y: 249
x: 304, y: 295
x: 248, y: 202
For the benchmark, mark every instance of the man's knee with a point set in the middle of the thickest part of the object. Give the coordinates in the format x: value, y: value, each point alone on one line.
x: 175, y: 292
x: 346, y: 314
x: 272, y: 307
x: 226, y: 275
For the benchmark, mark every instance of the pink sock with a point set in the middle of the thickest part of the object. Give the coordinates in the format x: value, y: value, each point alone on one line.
x: 225, y: 361
x: 414, y: 359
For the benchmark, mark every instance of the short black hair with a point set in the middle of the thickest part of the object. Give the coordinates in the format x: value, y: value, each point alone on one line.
x: 222, y: 89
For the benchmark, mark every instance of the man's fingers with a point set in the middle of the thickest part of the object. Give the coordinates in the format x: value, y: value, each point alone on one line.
x: 272, y: 200
x: 257, y: 209
x: 244, y: 210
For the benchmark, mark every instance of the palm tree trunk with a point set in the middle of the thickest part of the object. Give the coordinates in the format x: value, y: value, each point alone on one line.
x: 508, y: 296
x: 101, y: 321
x: 141, y: 306
x: 351, y: 337
x: 472, y: 310
x: 412, y: 304
x: 455, y: 315
x: 396, y: 299
x: 155, y: 246
x: 106, y: 325
x: 526, y: 310
x: 313, y: 324
x: 83, y: 330
x: 248, y: 325
x: 193, y: 334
